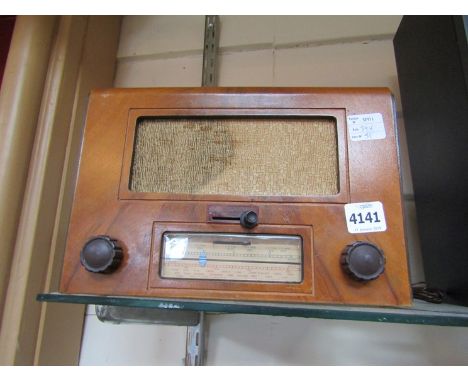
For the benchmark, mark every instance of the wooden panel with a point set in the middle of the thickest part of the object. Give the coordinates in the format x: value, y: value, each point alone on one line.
x: 20, y: 100
x: 31, y: 253
x: 97, y: 68
x: 371, y: 172
x: 36, y: 333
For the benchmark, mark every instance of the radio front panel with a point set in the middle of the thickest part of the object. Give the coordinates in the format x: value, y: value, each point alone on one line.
x: 272, y: 194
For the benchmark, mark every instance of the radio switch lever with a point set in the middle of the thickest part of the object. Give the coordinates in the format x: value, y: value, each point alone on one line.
x: 249, y: 219
x: 101, y: 254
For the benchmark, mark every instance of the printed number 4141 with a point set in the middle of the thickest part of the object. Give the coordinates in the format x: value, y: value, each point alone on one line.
x: 370, y: 217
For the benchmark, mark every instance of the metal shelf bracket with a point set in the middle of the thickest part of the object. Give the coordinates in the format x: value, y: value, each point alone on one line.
x: 195, y: 352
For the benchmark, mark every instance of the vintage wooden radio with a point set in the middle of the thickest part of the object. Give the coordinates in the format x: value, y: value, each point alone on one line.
x: 251, y: 194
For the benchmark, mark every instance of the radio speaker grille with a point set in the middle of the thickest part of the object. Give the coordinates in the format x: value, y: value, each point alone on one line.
x: 236, y: 156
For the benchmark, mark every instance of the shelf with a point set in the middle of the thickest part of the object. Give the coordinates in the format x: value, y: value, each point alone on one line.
x: 421, y: 312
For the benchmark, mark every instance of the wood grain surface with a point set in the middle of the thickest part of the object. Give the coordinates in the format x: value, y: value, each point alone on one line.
x: 104, y: 205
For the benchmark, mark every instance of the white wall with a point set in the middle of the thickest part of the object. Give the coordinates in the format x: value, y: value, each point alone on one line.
x: 273, y: 51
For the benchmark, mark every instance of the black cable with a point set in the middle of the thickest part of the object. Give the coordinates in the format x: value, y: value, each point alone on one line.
x: 422, y: 292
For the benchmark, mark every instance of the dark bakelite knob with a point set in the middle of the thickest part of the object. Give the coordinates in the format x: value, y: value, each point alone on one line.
x: 249, y: 219
x: 101, y: 254
x: 363, y: 261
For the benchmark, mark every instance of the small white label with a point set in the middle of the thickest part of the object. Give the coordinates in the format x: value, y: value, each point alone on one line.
x: 365, y: 127
x: 365, y: 217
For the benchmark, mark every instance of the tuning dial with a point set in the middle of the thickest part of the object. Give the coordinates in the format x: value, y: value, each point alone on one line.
x: 248, y: 219
x: 101, y: 254
x: 363, y: 261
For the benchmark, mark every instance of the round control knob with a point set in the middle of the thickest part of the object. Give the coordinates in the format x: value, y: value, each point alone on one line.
x: 363, y: 261
x: 101, y: 254
x: 249, y: 219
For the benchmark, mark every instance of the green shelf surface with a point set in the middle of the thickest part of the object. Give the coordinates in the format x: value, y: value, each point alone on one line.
x: 420, y: 312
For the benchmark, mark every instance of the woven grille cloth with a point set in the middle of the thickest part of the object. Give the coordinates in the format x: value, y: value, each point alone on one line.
x: 236, y: 156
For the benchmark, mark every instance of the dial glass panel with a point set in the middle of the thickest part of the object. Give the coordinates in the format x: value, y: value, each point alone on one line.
x: 233, y: 257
